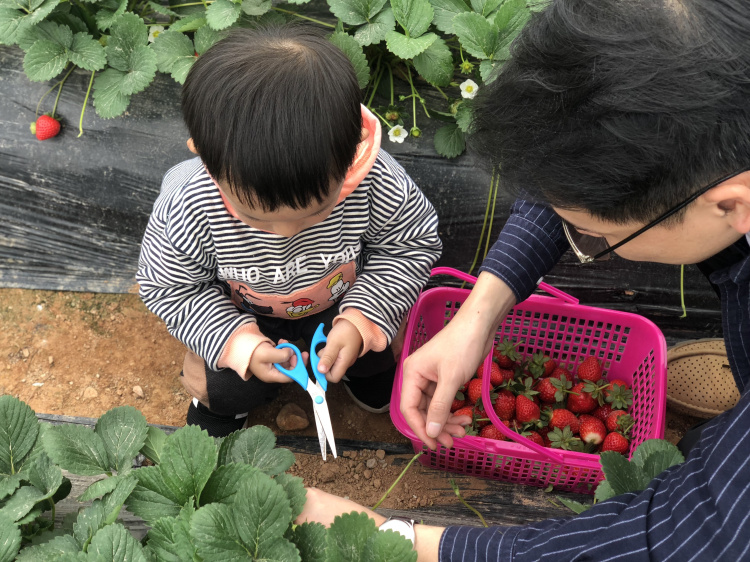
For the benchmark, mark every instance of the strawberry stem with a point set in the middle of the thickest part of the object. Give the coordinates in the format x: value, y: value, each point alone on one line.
x: 484, y: 226
x: 85, y: 101
x: 400, y: 476
x: 59, y: 91
x: 682, y: 290
x: 463, y: 501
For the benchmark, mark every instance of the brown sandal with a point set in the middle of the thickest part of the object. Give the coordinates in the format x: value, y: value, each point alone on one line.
x: 700, y: 381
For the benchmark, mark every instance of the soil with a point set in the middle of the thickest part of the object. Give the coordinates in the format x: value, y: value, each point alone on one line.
x: 81, y: 354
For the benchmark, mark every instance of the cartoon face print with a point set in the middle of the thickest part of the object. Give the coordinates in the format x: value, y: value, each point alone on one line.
x: 248, y: 305
x: 337, y: 286
x: 301, y: 307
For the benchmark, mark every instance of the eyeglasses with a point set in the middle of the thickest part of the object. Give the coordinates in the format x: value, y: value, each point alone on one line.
x: 595, y: 248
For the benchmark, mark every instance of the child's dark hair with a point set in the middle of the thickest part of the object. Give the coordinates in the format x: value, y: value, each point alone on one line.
x: 621, y: 108
x: 275, y: 113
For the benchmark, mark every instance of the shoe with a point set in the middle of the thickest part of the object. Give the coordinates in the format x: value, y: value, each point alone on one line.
x: 214, y: 424
x: 372, y: 394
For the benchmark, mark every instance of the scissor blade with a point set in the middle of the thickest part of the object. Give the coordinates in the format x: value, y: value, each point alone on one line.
x: 323, y: 419
x: 321, y: 438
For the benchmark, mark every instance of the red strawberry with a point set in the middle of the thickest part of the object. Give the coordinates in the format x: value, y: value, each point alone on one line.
x: 496, y: 375
x: 459, y: 401
x: 474, y: 390
x: 602, y: 412
x: 466, y: 411
x: 615, y: 442
x: 534, y: 436
x: 526, y: 409
x: 580, y: 401
x: 506, y: 354
x: 618, y: 382
x: 505, y: 405
x: 591, y: 430
x: 544, y: 432
x: 481, y: 417
x: 559, y: 372
x: 618, y: 394
x: 491, y: 432
x: 546, y: 391
x: 561, y: 418
x: 590, y: 369
x: 45, y: 127
x: 507, y: 374
x: 617, y: 421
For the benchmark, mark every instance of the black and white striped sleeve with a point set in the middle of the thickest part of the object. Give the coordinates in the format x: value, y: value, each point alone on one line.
x: 401, y: 244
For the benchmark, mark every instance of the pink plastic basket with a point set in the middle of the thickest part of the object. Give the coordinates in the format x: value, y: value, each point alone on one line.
x: 629, y: 346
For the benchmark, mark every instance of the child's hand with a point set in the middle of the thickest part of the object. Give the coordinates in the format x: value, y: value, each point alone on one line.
x: 265, y: 355
x: 341, y: 350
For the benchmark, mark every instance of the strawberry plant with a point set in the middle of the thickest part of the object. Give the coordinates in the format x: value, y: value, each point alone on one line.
x: 204, y: 499
x: 450, y: 46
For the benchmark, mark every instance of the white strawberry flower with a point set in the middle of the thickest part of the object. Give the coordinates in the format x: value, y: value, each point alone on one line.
x: 153, y: 32
x: 397, y: 134
x: 468, y: 89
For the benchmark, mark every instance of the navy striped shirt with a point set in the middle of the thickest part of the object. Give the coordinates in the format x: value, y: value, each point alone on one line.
x: 696, y: 511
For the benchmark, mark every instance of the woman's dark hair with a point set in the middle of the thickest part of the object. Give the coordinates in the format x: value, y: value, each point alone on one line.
x: 275, y: 113
x: 622, y: 108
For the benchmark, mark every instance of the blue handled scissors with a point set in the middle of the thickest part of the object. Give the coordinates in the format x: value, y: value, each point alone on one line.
x: 316, y: 391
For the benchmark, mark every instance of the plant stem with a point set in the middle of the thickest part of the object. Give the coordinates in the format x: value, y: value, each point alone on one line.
x: 463, y: 501
x: 682, y: 291
x: 390, y: 74
x: 442, y: 92
x: 85, y: 101
x: 375, y: 84
x: 319, y: 22
x: 381, y: 500
x: 58, y: 84
x: 191, y: 4
x: 484, y: 226
x: 492, y: 216
x: 383, y: 119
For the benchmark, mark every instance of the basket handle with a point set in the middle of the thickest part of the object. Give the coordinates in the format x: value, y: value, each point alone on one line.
x: 509, y: 433
x: 453, y: 273
x: 555, y: 292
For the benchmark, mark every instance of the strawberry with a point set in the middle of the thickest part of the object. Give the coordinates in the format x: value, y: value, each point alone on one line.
x: 559, y: 372
x: 458, y: 402
x: 506, y: 354
x: 474, y: 390
x: 602, y: 412
x: 508, y: 375
x: 496, y: 375
x: 480, y: 417
x: 505, y: 405
x: 590, y: 369
x: 526, y: 410
x: 564, y: 439
x: 561, y: 418
x: 615, y: 442
x: 541, y: 365
x: 465, y: 411
x: 591, y: 430
x: 544, y: 432
x: 534, y: 436
x: 618, y: 382
x: 580, y: 401
x: 546, y: 391
x: 45, y: 127
x: 619, y: 420
x: 491, y: 432
x: 619, y: 395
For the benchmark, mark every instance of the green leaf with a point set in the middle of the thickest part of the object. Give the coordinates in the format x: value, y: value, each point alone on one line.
x: 109, y: 13
x: 12, y: 24
x: 622, y: 475
x: 386, y: 546
x: 256, y: 7
x: 375, y: 31
x: 205, y: 38
x: 109, y: 101
x: 187, y: 463
x: 604, y: 491
x: 86, y: 52
x: 114, y: 542
x: 256, y: 446
x: 42, y: 10
x: 576, y: 507
x: 123, y: 430
x: 295, y: 492
x: 486, y: 7
x: 58, y: 34
x: 88, y: 522
x: 222, y: 485
x: 9, y: 483
x: 356, y: 12
x: 407, y: 47
x: 156, y: 437
x: 19, y: 429
x: 312, y: 541
x: 263, y: 511
x: 654, y: 456
x: 353, y: 50
x: 435, y: 64
x: 45, y: 476
x: 114, y: 500
x: 215, y: 536
x: 142, y: 63
x: 63, y: 491
x: 10, y: 539
x: 478, y: 36
x: 162, y: 9
x: 415, y: 16
x: 509, y: 20
x: 445, y: 11
x: 450, y: 141
x: 170, y: 537
x: 465, y: 117
x: 152, y: 498
x: 54, y: 549
x: 99, y: 488
x: 191, y: 22
x: 278, y: 549
x: 75, y: 448
x: 44, y: 60
x: 487, y: 71
x: 222, y: 14
x: 21, y: 502
x: 348, y: 537
x: 76, y: 24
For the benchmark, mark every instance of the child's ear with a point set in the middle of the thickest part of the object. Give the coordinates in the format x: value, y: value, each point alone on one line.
x: 191, y: 146
x: 363, y: 137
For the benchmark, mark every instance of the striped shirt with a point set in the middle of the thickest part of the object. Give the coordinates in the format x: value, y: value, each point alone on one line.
x: 195, y: 254
x: 696, y: 511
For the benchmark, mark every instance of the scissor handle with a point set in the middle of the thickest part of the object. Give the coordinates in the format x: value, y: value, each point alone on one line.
x: 318, y: 337
x: 299, y: 373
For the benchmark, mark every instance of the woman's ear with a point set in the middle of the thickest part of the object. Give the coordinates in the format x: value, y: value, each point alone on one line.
x: 731, y: 200
x: 365, y: 134
x: 191, y: 146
